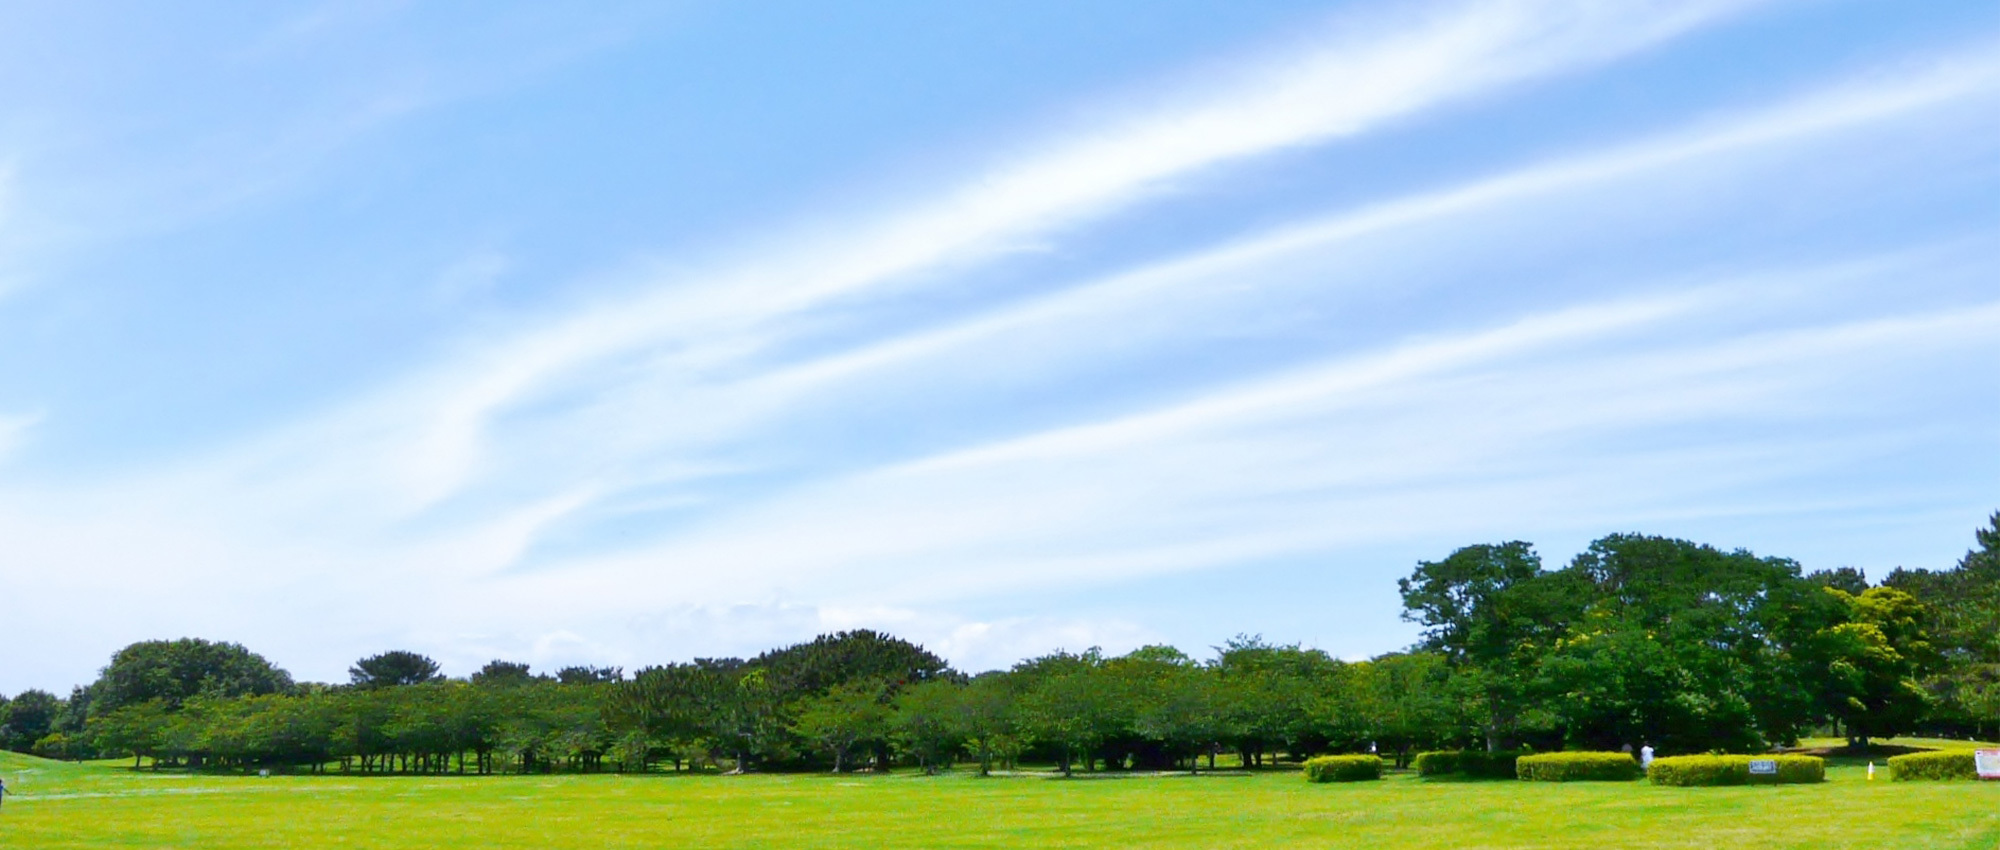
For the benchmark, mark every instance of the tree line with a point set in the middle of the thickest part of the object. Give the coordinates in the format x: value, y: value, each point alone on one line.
x: 1638, y: 640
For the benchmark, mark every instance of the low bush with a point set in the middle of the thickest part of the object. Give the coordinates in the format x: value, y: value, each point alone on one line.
x: 1735, y: 770
x: 1438, y: 763
x: 1942, y: 764
x: 1477, y: 764
x: 1578, y: 767
x: 1343, y: 768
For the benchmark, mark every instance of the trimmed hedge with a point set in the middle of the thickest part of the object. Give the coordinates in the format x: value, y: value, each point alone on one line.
x: 1941, y: 764
x: 1439, y: 762
x: 1578, y: 767
x: 1477, y: 764
x: 1735, y: 770
x: 1343, y: 768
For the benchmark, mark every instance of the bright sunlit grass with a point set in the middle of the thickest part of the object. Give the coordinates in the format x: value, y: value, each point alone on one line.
x: 100, y: 805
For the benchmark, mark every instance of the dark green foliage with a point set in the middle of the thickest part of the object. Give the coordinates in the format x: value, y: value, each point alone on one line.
x: 1276, y: 697
x: 1068, y: 705
x: 1490, y: 611
x: 1873, y: 661
x: 1942, y: 764
x: 1735, y: 770
x: 583, y: 675
x: 497, y: 672
x: 1342, y: 768
x: 1472, y: 764
x: 1687, y: 647
x: 1406, y: 700
x: 178, y: 670
x: 392, y: 669
x: 1845, y: 579
x: 27, y: 718
x: 845, y: 657
x: 1639, y: 640
x: 1439, y: 763
x: 1963, y: 604
x: 1578, y: 767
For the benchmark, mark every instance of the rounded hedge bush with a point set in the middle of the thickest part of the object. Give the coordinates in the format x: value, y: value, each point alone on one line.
x: 1578, y: 767
x: 1477, y: 764
x: 1343, y: 768
x: 1735, y: 770
x: 1438, y: 763
x: 1941, y: 764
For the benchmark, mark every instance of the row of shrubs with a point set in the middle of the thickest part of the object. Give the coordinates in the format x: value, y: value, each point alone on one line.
x: 1342, y: 768
x: 1578, y: 767
x: 1617, y: 767
x: 1546, y: 767
x: 1941, y: 764
x: 1705, y: 770
x: 1735, y: 770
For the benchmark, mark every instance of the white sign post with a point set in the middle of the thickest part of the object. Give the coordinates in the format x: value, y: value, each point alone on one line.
x: 1763, y: 767
x: 1986, y: 763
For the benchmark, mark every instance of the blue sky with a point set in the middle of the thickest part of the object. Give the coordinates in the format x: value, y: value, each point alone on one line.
x: 625, y: 334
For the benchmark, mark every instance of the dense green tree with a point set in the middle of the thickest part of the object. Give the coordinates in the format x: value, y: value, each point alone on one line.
x: 1874, y: 662
x: 498, y: 672
x: 1175, y: 703
x: 847, y: 714
x: 1492, y: 614
x: 177, y: 670
x: 393, y: 668
x: 30, y: 716
x: 670, y: 705
x: 584, y: 675
x: 135, y: 730
x: 1964, y: 605
x: 829, y: 660
x: 745, y: 718
x: 987, y: 718
x: 1068, y: 705
x: 1845, y: 579
x: 1276, y: 697
x: 928, y: 722
x: 1686, y: 647
x: 1411, y: 701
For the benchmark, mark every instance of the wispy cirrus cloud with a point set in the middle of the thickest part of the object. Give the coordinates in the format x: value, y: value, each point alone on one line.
x: 664, y: 465
x: 1371, y: 72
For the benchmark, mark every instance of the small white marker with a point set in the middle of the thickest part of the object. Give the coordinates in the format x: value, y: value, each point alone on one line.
x: 1871, y: 770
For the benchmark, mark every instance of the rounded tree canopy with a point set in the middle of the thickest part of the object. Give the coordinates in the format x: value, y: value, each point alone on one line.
x: 173, y: 671
x: 392, y: 668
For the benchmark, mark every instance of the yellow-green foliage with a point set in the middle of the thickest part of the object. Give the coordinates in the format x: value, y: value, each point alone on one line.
x: 1343, y: 768
x: 1735, y: 770
x: 1578, y: 767
x: 1947, y: 764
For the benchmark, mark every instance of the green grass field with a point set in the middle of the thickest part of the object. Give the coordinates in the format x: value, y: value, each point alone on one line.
x: 102, y: 806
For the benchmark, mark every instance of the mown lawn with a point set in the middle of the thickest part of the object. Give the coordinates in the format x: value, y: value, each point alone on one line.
x: 101, y: 806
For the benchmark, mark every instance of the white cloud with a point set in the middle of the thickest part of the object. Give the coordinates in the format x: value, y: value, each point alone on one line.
x: 432, y: 433
x: 1241, y: 473
x: 426, y: 503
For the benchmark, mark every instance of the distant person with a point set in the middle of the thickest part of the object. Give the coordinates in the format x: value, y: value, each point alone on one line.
x: 1646, y: 757
x: 3, y: 791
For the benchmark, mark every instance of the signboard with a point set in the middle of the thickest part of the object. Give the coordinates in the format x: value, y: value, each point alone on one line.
x: 1763, y: 767
x: 1987, y: 763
